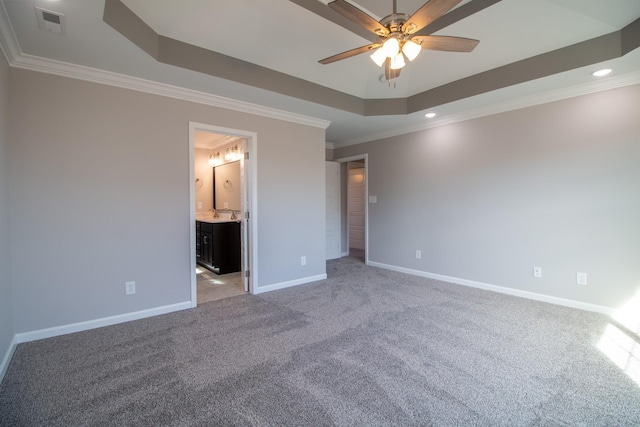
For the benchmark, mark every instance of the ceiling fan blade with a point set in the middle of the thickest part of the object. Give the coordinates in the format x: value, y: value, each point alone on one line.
x: 350, y: 53
x: 429, y: 12
x: 354, y: 14
x: 446, y: 43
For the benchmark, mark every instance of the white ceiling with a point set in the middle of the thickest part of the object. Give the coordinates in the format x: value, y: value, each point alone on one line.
x: 285, y: 37
x: 210, y: 140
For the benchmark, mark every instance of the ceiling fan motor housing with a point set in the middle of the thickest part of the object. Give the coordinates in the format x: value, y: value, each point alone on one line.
x: 394, y: 22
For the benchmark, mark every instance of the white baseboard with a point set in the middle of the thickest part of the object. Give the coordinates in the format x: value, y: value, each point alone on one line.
x: 282, y: 285
x: 7, y: 357
x: 98, y: 323
x: 500, y: 289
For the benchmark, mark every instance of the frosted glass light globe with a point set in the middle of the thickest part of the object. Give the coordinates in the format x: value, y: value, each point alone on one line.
x: 391, y: 47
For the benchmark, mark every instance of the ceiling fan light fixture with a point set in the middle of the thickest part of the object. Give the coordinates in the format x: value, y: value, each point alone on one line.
x: 391, y: 47
x: 379, y: 57
x: 411, y: 49
x: 397, y: 61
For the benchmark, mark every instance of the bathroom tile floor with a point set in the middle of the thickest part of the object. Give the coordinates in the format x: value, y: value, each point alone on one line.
x: 212, y: 287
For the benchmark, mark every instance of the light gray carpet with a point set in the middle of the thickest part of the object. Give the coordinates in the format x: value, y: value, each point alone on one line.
x: 365, y: 347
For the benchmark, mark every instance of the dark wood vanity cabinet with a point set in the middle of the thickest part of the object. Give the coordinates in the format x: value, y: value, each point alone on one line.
x: 206, y: 243
x: 218, y: 246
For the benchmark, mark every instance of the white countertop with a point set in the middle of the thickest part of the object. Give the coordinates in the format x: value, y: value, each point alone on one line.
x: 208, y: 217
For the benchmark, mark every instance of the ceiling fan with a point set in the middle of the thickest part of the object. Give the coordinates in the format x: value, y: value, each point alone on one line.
x: 399, y: 35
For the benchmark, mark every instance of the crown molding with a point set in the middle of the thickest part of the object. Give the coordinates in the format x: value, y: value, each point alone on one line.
x: 501, y: 107
x: 8, y: 40
x: 94, y: 75
x: 17, y: 59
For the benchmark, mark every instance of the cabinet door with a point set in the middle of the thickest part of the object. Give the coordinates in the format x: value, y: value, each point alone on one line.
x: 226, y: 251
x: 207, y: 248
x: 198, y: 241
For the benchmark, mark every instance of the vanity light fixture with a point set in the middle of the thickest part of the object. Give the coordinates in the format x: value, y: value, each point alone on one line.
x: 214, y: 159
x: 232, y: 154
x: 601, y: 73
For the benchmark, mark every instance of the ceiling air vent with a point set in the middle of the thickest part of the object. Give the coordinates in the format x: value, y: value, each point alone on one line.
x: 50, y: 21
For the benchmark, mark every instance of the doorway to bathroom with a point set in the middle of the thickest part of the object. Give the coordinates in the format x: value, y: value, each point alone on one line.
x: 221, y: 237
x: 355, y: 201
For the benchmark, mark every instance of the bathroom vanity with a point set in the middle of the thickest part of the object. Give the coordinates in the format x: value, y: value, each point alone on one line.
x: 218, y: 245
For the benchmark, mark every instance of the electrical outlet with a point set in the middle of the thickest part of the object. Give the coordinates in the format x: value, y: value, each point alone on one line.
x: 537, y: 272
x: 130, y: 288
x: 303, y: 260
x: 199, y: 205
x: 581, y: 279
x: 418, y: 254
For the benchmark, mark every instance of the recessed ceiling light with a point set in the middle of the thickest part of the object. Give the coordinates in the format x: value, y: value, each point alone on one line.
x: 602, y: 72
x: 430, y: 115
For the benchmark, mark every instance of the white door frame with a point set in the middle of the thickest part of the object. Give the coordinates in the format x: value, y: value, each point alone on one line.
x: 364, y: 157
x: 249, y: 205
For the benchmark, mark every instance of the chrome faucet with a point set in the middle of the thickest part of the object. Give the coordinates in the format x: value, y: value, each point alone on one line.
x: 233, y: 214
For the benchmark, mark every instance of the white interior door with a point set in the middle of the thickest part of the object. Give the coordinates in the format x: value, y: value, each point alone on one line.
x: 332, y: 179
x: 244, y: 196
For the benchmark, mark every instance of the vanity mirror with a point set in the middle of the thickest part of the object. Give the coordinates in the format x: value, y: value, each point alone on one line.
x: 226, y: 187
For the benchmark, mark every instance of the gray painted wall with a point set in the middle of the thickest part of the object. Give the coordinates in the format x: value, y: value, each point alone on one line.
x: 555, y: 186
x: 100, y: 189
x: 203, y: 172
x: 328, y: 156
x: 6, y: 292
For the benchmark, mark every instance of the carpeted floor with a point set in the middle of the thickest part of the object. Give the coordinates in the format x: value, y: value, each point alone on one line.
x: 366, y: 347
